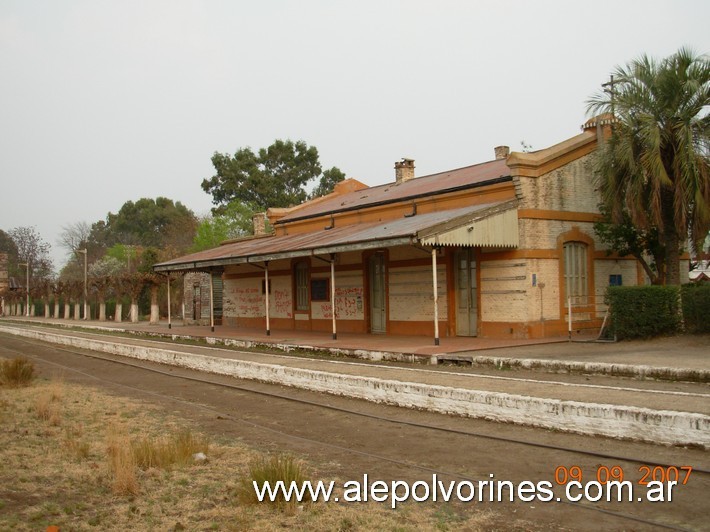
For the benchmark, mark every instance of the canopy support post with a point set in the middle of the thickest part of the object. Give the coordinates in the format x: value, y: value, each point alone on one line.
x: 332, y: 293
x: 436, y: 296
x: 266, y: 297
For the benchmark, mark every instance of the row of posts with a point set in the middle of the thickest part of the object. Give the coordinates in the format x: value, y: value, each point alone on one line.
x: 21, y: 308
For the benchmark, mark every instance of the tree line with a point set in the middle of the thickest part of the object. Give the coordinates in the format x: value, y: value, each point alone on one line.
x: 121, y: 249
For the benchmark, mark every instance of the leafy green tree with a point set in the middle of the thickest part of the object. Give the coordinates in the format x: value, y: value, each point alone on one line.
x: 125, y: 255
x: 235, y: 222
x: 654, y: 167
x: 625, y: 238
x: 148, y: 222
x: 275, y: 177
x: 327, y: 182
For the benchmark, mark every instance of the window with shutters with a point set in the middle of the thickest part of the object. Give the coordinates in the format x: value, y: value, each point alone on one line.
x: 576, y: 273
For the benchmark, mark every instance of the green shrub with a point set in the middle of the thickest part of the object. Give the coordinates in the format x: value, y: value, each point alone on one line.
x: 644, y: 311
x: 696, y: 307
x: 17, y: 372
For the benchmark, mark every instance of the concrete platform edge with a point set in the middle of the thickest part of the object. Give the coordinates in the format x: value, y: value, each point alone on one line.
x: 657, y: 426
x: 667, y: 373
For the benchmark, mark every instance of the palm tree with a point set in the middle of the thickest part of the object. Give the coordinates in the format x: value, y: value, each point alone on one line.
x: 654, y: 167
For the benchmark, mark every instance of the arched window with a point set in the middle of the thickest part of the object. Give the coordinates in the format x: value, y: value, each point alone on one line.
x: 301, y: 282
x: 576, y: 272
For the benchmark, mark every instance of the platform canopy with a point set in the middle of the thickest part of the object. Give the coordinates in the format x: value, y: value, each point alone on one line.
x: 485, y: 225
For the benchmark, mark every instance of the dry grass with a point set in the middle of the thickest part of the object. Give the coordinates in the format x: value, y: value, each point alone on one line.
x: 48, y: 405
x: 271, y: 469
x: 77, y: 447
x: 121, y: 462
x: 86, y: 473
x: 166, y: 451
x: 16, y: 372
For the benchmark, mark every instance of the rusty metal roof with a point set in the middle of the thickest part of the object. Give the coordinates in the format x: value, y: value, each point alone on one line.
x: 401, y: 231
x: 431, y: 185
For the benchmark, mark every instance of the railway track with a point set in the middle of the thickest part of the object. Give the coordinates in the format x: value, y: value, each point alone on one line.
x: 278, y: 396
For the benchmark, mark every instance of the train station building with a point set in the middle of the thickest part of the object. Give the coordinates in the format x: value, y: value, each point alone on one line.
x: 500, y: 249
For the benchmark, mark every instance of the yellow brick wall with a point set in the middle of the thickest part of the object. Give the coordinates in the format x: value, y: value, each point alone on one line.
x: 411, y: 293
x: 547, y: 288
x: 569, y: 188
x: 503, y: 287
x: 543, y: 234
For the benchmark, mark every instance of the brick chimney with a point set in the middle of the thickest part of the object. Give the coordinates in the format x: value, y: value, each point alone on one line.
x: 259, y: 222
x: 502, y: 152
x: 404, y: 170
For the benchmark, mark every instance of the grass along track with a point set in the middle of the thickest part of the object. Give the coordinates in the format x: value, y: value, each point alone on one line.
x: 571, y: 455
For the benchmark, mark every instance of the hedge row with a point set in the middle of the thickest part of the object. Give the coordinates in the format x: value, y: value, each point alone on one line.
x: 647, y: 311
x: 696, y: 307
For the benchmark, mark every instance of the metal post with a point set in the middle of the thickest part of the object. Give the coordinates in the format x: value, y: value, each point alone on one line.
x: 86, y: 290
x: 170, y: 325
x: 436, y: 297
x: 332, y: 293
x: 569, y: 319
x: 27, y: 286
x: 211, y: 304
x: 266, y: 297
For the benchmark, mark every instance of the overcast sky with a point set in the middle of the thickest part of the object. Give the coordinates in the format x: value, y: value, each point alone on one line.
x: 102, y: 102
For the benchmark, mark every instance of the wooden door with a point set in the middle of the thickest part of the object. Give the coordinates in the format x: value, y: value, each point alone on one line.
x: 466, y: 294
x: 378, y: 300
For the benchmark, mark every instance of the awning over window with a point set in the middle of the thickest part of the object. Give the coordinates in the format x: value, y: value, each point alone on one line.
x: 491, y: 224
x: 494, y: 227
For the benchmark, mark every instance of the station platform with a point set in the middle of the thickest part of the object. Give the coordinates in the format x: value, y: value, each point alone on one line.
x: 579, y: 400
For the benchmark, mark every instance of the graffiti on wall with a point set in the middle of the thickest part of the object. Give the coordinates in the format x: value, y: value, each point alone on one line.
x: 348, y: 304
x: 246, y: 302
x: 283, y: 308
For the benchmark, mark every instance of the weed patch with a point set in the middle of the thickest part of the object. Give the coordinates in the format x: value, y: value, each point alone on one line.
x: 17, y: 372
x: 164, y: 452
x: 271, y: 469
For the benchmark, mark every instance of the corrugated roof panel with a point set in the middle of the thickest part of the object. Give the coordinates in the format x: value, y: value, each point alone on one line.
x: 421, y: 186
x: 360, y: 236
x: 496, y: 230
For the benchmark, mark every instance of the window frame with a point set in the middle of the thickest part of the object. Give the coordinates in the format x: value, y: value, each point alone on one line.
x: 576, y: 272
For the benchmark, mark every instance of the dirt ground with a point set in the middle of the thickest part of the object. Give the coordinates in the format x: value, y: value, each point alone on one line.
x: 347, y: 446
